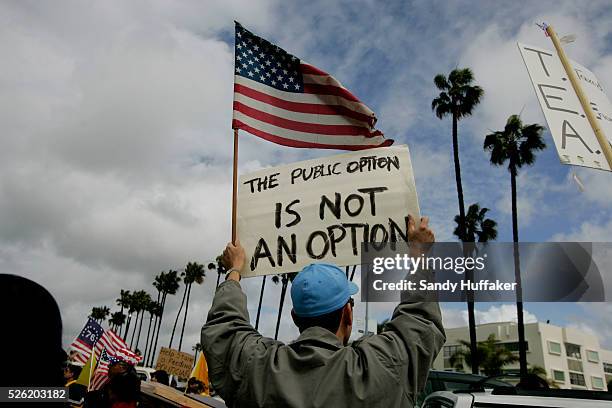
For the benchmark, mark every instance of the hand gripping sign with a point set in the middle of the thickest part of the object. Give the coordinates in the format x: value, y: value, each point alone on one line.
x: 322, y: 210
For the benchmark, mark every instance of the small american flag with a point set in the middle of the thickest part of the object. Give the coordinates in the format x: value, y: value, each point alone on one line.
x: 107, y: 357
x: 284, y: 100
x: 85, y: 341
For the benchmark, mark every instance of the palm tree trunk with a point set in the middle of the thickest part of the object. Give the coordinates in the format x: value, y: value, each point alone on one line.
x: 158, y: 329
x: 458, y: 179
x: 517, y: 277
x: 177, y: 316
x: 149, y: 330
x: 146, y: 350
x: 218, y: 279
x: 127, y: 327
x: 263, y: 286
x: 471, y: 315
x: 134, y: 331
x: 280, y: 306
x: 139, y: 330
x: 185, y: 318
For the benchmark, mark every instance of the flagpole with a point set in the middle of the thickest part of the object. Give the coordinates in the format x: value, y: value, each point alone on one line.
x: 235, y: 186
x: 601, y: 137
x: 93, y: 353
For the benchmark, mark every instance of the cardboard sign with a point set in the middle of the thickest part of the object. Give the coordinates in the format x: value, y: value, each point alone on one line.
x: 574, y: 138
x: 321, y: 210
x: 175, y: 362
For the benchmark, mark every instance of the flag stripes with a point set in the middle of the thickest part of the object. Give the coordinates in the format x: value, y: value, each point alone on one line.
x: 290, y: 102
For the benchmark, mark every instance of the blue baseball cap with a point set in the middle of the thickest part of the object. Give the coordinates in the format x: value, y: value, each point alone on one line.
x: 319, y: 289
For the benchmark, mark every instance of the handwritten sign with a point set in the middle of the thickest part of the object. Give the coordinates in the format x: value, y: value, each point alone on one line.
x: 322, y: 210
x: 574, y: 138
x: 175, y: 362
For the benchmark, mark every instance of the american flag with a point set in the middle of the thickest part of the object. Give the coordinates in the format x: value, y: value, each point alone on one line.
x: 93, y: 336
x: 284, y: 100
x: 100, y: 375
x: 85, y: 341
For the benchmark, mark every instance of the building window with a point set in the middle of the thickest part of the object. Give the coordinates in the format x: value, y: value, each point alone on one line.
x: 592, y: 356
x: 449, y: 352
x: 554, y: 348
x: 558, y: 376
x: 574, y: 365
x: 513, y: 346
x: 573, y: 351
x: 597, y: 383
x: 577, y: 379
x: 607, y: 368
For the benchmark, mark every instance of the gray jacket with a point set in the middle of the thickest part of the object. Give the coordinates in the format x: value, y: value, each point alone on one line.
x: 316, y: 370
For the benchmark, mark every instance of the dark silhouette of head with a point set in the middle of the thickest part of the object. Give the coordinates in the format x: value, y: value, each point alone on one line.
x: 161, y: 377
x: 123, y: 384
x: 31, y: 342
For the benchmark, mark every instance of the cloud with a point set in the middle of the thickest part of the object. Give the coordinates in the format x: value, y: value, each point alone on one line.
x: 495, y: 313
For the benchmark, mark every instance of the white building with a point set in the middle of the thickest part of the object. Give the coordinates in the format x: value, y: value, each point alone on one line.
x: 571, y: 358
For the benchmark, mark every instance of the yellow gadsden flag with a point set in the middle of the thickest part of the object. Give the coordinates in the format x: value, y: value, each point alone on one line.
x: 87, y: 371
x: 200, y: 372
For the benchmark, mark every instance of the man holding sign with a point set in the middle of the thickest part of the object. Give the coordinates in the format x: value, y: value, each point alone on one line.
x: 319, y: 369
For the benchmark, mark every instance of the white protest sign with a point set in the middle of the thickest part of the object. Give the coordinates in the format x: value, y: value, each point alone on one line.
x: 574, y: 138
x: 321, y: 210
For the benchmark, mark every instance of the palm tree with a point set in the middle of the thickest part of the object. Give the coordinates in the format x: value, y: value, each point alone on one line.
x: 116, y: 321
x: 477, y: 229
x: 194, y: 272
x: 99, y: 314
x: 539, y: 371
x: 197, y: 348
x: 125, y: 302
x: 382, y: 326
x: 492, y: 356
x: 169, y: 283
x: 284, y: 278
x: 516, y: 144
x: 457, y: 98
x: 219, y: 267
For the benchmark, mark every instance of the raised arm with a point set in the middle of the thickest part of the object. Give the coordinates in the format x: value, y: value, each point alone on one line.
x: 414, y: 335
x: 228, y: 337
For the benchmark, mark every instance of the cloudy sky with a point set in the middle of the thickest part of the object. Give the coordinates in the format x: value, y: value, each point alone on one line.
x: 115, y: 158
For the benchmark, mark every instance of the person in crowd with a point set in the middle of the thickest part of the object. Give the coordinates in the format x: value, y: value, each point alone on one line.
x: 122, y: 389
x: 76, y: 392
x: 319, y: 368
x: 160, y: 376
x: 194, y: 386
x: 31, y: 340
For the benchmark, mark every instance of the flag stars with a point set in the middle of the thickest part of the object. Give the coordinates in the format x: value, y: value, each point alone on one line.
x: 256, y: 48
x: 297, y: 86
x: 285, y: 86
x: 251, y: 73
x: 291, y: 79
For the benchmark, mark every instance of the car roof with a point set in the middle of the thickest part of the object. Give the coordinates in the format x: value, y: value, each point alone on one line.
x: 538, y: 401
x: 487, y: 398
